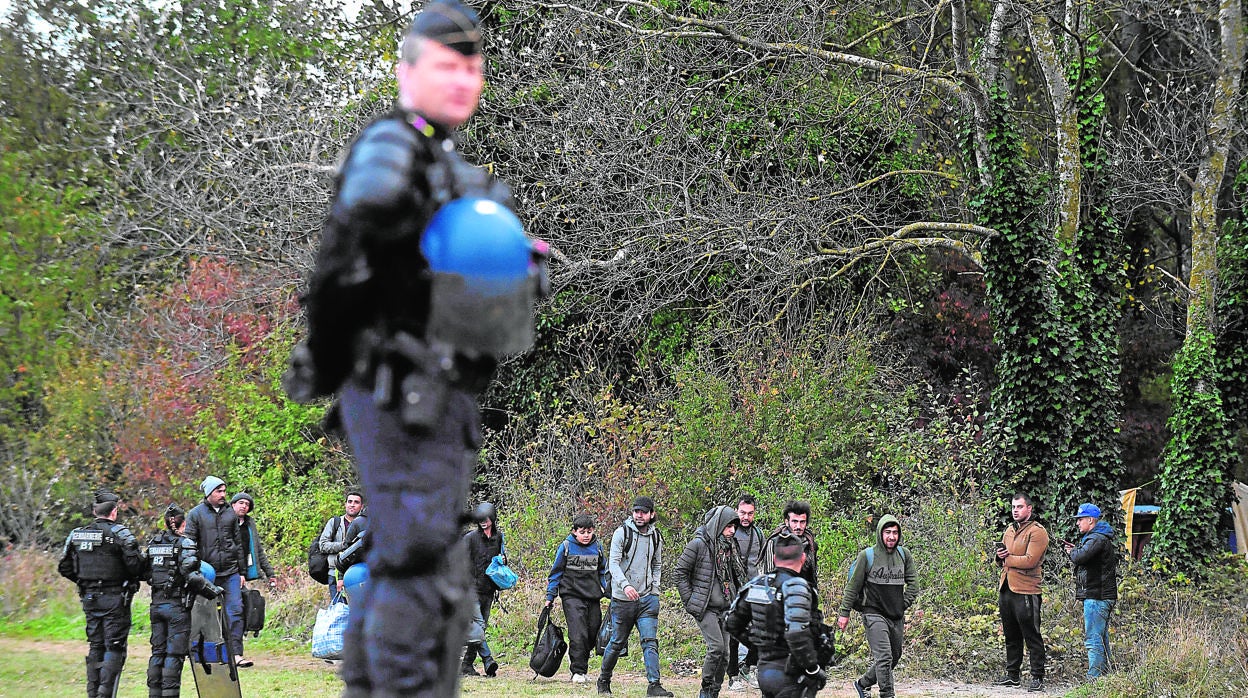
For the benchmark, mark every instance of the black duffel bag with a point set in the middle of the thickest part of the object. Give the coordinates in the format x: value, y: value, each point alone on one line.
x: 548, y: 648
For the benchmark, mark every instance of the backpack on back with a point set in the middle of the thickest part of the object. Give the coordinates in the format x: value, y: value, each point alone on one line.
x: 318, y: 562
x: 870, y: 561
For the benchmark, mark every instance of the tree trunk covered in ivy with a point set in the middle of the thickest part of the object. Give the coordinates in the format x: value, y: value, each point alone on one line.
x: 1025, y: 411
x: 1196, y: 467
x: 1089, y: 288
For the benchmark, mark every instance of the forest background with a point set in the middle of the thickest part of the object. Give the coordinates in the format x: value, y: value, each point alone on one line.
x: 886, y: 256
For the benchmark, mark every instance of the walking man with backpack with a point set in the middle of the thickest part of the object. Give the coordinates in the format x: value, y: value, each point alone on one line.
x: 333, y: 539
x: 883, y: 583
x: 635, y: 562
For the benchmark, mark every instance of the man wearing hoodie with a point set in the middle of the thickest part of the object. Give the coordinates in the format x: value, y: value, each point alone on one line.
x: 218, y: 534
x: 579, y: 577
x: 708, y: 575
x: 883, y: 583
x: 1020, y: 554
x: 635, y: 561
x: 485, y: 542
x: 1096, y: 583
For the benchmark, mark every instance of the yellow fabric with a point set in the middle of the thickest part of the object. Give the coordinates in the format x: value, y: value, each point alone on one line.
x: 1128, y: 505
x: 1239, y: 509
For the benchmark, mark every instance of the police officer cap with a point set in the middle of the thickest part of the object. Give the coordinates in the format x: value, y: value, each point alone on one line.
x: 451, y: 24
x: 103, y: 496
x: 174, y: 511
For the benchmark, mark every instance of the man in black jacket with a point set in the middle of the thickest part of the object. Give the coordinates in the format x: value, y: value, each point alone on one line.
x: 485, y: 541
x: 708, y: 575
x: 104, y: 560
x: 1096, y: 583
x: 218, y: 534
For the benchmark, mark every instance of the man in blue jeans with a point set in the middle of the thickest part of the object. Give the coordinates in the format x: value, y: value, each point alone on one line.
x: 218, y: 534
x: 1096, y: 583
x: 635, y: 562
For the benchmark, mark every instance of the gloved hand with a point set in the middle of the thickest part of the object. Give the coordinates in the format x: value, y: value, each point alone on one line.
x: 815, y: 681
x: 213, y: 592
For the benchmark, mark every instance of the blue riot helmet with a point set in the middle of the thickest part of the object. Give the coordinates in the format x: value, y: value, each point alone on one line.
x: 208, y: 571
x: 483, y: 278
x: 354, y: 578
x: 479, y: 239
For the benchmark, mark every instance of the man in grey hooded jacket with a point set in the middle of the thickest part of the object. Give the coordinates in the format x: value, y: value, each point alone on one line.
x: 883, y: 583
x: 708, y: 575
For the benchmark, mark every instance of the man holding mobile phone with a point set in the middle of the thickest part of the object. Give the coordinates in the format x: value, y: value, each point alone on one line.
x: 1096, y: 583
x: 1020, y: 553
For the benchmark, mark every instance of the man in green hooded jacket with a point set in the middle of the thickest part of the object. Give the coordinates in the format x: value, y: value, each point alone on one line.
x: 883, y: 583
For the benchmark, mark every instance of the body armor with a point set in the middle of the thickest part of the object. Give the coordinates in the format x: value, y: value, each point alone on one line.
x: 370, y: 298
x: 777, y: 613
x: 97, y: 554
x: 174, y: 566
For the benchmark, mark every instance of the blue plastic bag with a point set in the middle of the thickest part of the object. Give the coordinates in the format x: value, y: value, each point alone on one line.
x: 503, y: 576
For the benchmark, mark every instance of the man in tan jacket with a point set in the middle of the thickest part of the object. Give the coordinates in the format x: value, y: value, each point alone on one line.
x: 1020, y: 553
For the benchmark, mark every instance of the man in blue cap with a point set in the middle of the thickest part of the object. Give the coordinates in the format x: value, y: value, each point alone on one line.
x: 1096, y: 583
x: 387, y: 334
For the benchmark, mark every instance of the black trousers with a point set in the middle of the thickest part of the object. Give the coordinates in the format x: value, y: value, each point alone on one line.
x: 407, y: 629
x: 171, y: 639
x: 108, y: 627
x: 734, y: 662
x: 1020, y: 619
x: 584, y: 618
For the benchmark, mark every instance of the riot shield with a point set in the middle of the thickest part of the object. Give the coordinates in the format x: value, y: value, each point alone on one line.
x: 212, y: 662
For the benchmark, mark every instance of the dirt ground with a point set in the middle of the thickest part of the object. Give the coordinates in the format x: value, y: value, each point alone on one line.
x: 681, y: 685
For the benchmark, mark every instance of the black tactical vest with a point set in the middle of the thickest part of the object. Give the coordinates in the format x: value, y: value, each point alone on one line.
x: 98, y: 553
x: 767, y: 624
x: 164, y: 553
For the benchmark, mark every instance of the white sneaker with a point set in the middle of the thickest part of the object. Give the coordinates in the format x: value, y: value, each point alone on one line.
x: 735, y: 684
x: 751, y: 678
x: 579, y: 678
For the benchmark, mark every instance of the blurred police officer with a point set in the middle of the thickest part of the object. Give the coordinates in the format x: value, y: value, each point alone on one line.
x: 104, y: 560
x: 407, y: 340
x: 778, y: 613
x: 172, y: 570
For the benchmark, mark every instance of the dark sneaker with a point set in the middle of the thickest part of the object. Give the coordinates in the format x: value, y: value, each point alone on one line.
x: 468, y: 670
x: 862, y: 692
x: 491, y: 666
x: 604, y: 687
x: 656, y: 689
x: 1036, y: 686
x: 1006, y: 680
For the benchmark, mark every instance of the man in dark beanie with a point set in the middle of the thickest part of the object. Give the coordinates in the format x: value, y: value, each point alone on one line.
x: 402, y: 329
x: 104, y: 560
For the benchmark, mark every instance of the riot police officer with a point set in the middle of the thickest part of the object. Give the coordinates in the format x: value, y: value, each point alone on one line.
x: 104, y: 560
x: 172, y: 570
x: 779, y: 614
x: 423, y: 281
